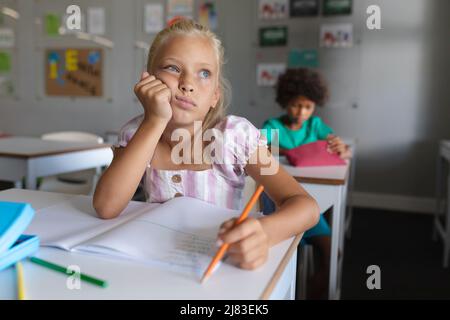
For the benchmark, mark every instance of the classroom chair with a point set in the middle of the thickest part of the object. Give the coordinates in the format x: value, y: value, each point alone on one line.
x: 80, y: 182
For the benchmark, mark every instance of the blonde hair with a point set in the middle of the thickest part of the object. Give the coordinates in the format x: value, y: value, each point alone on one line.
x: 190, y: 27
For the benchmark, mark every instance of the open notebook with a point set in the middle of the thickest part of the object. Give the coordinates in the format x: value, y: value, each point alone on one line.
x: 178, y: 235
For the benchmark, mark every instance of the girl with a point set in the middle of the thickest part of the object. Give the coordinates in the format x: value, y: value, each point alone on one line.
x: 299, y: 91
x: 183, y: 85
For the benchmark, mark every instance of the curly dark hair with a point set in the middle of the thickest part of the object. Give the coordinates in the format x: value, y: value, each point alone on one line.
x: 301, y: 82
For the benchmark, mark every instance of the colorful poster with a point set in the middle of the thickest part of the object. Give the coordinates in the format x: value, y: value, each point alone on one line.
x: 273, y: 36
x: 179, y: 8
x: 5, y: 62
x: 153, y: 17
x: 336, y: 35
x: 303, y: 58
x: 304, y: 8
x: 207, y: 15
x: 273, y: 9
x: 96, y: 20
x: 74, y: 72
x: 337, y: 7
x: 52, y: 24
x: 6, y: 37
x: 268, y: 73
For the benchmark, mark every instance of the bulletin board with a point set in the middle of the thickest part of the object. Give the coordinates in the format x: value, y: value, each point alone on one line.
x: 74, y: 72
x: 74, y: 64
x: 9, y: 16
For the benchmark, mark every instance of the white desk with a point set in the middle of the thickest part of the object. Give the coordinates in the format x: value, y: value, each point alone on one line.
x: 127, y: 280
x: 328, y: 185
x: 33, y: 157
x: 443, y: 228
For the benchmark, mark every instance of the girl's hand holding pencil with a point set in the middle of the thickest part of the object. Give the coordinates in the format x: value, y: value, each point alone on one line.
x: 245, y: 240
x: 249, y: 244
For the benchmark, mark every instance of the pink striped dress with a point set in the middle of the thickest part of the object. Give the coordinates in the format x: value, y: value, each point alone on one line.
x: 222, y: 184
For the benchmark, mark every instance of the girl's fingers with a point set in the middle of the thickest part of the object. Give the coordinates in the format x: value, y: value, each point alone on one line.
x: 335, y: 149
x: 143, y: 82
x: 240, y: 258
x: 254, y: 264
x: 153, y: 85
x: 144, y: 75
x: 256, y: 248
x: 227, y: 225
x: 247, y: 244
x: 334, y: 146
x: 337, y: 144
x: 335, y: 141
x: 240, y: 231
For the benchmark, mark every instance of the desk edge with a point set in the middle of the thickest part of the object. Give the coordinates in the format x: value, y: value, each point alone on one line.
x: 52, y: 153
x: 281, y: 267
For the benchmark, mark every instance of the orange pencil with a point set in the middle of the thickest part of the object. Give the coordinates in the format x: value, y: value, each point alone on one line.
x: 225, y: 246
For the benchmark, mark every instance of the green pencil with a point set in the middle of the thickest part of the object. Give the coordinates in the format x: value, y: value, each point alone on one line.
x: 55, y: 267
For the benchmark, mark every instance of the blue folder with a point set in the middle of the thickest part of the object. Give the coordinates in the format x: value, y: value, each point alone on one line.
x: 14, y: 219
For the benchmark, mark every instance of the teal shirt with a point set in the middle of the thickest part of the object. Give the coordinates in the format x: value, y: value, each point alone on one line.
x: 312, y: 130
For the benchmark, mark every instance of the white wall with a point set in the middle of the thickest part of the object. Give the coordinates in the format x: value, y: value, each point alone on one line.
x: 402, y: 89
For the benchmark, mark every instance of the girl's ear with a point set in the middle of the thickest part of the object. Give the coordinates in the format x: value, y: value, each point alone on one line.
x: 215, y: 97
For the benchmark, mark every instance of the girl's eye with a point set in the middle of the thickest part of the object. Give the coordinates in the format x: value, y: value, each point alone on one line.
x: 172, y: 68
x: 205, y: 74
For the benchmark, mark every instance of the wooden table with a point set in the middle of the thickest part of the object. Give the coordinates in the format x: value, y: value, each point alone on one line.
x: 33, y: 157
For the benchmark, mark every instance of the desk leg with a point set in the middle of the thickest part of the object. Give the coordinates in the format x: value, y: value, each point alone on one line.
x: 447, y: 228
x: 342, y: 230
x: 293, y: 276
x: 349, y: 202
x: 31, y: 176
x: 439, y: 194
x: 335, y: 238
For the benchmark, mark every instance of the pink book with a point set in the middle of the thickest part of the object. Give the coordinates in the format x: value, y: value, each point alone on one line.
x: 313, y: 154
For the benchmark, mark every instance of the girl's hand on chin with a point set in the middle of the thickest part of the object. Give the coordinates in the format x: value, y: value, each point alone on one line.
x: 155, y: 97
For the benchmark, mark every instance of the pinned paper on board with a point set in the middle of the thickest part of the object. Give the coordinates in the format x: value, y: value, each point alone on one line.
x: 268, y: 73
x: 6, y: 81
x: 273, y: 9
x: 96, y: 20
x: 74, y: 72
x: 52, y: 24
x: 308, y: 58
x: 6, y: 38
x: 207, y: 15
x: 153, y: 17
x: 273, y: 36
x: 337, y: 7
x: 304, y: 8
x: 5, y: 62
x: 336, y: 35
x: 179, y: 8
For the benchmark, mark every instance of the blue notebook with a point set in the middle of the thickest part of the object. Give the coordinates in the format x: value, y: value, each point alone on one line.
x: 14, y: 219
